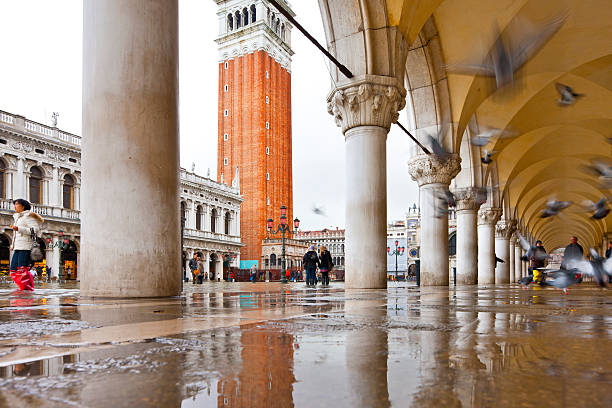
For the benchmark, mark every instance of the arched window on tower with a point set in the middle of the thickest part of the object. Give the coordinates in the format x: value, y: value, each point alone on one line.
x: 238, y: 20
x: 183, y: 211
x: 213, y: 220
x: 228, y: 220
x: 199, y: 213
x: 230, y: 22
x: 245, y: 17
x: 253, y: 13
x: 273, y: 260
x: 2, y: 172
x: 68, y: 192
x: 35, y: 185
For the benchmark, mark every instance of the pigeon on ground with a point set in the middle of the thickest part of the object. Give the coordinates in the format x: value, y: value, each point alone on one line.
x: 482, y: 139
x: 525, y: 281
x: 487, y: 157
x: 598, y: 267
x: 562, y: 279
x: 554, y: 207
x: 512, y: 49
x: 567, y: 94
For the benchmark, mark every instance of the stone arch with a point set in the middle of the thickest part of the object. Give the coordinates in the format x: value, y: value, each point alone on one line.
x: 272, y: 260
x: 253, y: 13
x: 245, y: 17
x: 213, y: 220
x: 237, y: 19
x: 35, y: 184
x: 230, y: 22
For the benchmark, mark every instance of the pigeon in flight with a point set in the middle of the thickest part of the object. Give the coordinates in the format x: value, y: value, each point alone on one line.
x: 531, y: 250
x: 512, y: 49
x: 562, y: 279
x: 554, y: 207
x: 601, y: 209
x: 599, y: 268
x: 567, y: 95
x: 602, y: 170
x: 482, y: 139
x: 436, y: 147
x: 487, y: 157
x: 318, y: 210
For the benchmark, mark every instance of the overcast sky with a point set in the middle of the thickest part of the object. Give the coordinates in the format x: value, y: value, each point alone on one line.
x: 41, y: 73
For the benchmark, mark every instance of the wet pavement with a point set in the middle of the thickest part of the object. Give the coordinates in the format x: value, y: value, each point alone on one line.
x: 274, y: 345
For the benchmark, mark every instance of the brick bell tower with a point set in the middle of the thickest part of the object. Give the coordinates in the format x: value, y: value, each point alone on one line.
x: 255, y: 115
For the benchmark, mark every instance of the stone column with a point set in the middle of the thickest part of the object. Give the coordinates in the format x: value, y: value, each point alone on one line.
x: 487, y: 218
x: 434, y: 176
x: 518, y: 267
x: 219, y: 268
x: 20, y: 182
x: 130, y: 151
x: 55, y: 267
x: 511, y: 260
x: 54, y: 199
x: 503, y: 230
x: 468, y: 202
x: 364, y: 108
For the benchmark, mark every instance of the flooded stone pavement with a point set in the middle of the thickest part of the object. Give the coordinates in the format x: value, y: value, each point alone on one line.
x: 273, y: 345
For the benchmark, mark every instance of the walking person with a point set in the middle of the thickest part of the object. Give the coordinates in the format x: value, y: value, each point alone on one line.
x: 26, y: 226
x: 200, y: 273
x: 193, y: 266
x: 326, y: 265
x: 537, y: 260
x: 310, y: 262
x: 572, y: 252
x: 609, y: 250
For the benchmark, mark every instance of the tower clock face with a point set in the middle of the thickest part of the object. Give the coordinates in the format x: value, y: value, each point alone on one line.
x: 413, y: 253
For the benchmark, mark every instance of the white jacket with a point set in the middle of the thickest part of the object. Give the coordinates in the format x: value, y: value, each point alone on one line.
x: 24, y: 221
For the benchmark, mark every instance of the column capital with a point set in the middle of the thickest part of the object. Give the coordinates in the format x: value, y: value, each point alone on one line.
x: 470, y: 199
x: 367, y: 100
x: 505, y: 228
x: 489, y: 215
x: 429, y: 169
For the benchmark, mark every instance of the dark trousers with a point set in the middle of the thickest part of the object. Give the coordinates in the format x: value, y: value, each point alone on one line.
x: 20, y: 258
x: 310, y: 276
x: 325, y: 278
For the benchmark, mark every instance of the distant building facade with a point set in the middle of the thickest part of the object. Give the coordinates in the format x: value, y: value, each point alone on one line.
x: 43, y: 165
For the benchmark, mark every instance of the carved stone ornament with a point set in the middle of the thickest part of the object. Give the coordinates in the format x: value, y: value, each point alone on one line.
x: 489, y: 215
x: 367, y: 100
x: 505, y: 229
x: 429, y: 169
x: 470, y: 199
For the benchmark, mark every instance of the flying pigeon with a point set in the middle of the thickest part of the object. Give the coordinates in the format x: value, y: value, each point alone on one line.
x: 554, y: 207
x: 512, y: 49
x: 562, y: 279
x: 487, y: 157
x: 600, y: 210
x: 567, y: 94
x: 599, y: 268
x: 482, y: 139
x: 318, y: 210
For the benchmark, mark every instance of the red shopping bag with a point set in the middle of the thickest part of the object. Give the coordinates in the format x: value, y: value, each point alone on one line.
x: 23, y: 278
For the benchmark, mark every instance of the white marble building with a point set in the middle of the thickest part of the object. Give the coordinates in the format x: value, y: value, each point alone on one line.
x: 43, y: 165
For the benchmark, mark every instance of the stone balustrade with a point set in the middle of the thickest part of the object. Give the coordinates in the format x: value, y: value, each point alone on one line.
x: 188, y: 232
x: 38, y: 128
x: 43, y: 210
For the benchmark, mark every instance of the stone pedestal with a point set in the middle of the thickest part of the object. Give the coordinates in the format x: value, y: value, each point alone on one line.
x: 487, y: 218
x: 434, y: 176
x: 468, y: 203
x: 130, y: 228
x: 364, y: 108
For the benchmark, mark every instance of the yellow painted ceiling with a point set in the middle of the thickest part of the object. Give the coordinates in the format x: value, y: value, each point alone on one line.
x: 544, y: 160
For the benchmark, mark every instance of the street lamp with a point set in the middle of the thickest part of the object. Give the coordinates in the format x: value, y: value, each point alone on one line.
x: 282, y: 229
x: 398, y: 251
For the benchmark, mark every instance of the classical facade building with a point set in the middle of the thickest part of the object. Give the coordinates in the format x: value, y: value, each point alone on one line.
x: 332, y: 239
x: 255, y: 114
x: 43, y: 165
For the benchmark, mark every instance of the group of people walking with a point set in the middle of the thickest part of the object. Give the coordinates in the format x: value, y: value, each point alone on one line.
x: 323, y: 261
x: 198, y: 273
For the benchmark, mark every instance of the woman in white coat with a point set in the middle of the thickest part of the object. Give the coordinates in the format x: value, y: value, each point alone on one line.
x: 25, y: 222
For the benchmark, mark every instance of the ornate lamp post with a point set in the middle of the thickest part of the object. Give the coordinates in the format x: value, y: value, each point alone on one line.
x: 282, y: 229
x: 62, y: 244
x: 398, y: 251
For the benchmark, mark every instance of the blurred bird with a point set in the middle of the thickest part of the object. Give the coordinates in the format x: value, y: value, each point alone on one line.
x: 318, y: 210
x: 483, y: 138
x: 562, y: 279
x: 567, y: 94
x: 525, y: 281
x: 436, y: 147
x: 599, y: 268
x: 554, y: 207
x: 531, y: 250
x: 512, y: 49
x: 602, y: 170
x: 601, y: 209
x: 487, y: 157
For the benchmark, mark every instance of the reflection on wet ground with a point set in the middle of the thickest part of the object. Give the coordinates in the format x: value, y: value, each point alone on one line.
x: 273, y: 345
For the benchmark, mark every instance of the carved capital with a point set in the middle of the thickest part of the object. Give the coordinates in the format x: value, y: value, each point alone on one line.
x: 505, y: 229
x: 368, y: 100
x: 470, y: 199
x: 429, y: 169
x: 489, y: 215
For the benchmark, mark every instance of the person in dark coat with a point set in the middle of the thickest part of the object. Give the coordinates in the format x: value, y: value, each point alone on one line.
x: 310, y: 262
x: 572, y: 252
x: 537, y: 260
x: 326, y: 265
x: 609, y: 250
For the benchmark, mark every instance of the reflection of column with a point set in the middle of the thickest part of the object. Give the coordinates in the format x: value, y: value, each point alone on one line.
x: 434, y: 176
x: 468, y: 203
x: 366, y: 354
x: 365, y: 107
x: 487, y: 218
x: 130, y: 99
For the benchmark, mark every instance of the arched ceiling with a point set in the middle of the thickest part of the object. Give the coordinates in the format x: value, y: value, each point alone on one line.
x: 552, y: 143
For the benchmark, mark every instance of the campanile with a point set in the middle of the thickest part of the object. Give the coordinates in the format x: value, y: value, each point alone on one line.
x: 255, y: 114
